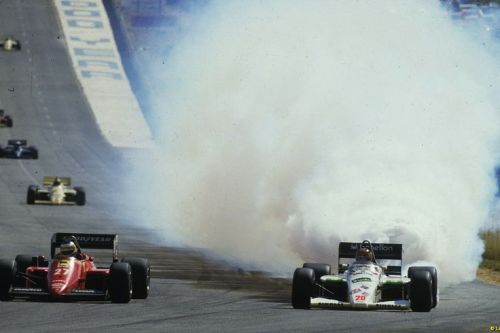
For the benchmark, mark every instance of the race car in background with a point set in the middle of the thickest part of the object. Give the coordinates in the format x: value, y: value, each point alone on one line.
x: 75, y: 277
x: 363, y: 283
x: 9, y: 43
x: 56, y: 191
x: 5, y: 120
x: 18, y: 149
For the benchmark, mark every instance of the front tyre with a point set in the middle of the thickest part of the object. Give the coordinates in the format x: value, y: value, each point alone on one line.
x: 7, y: 273
x: 433, y: 271
x: 302, y: 288
x: 80, y: 197
x: 421, y: 291
x: 31, y: 195
x: 120, y: 282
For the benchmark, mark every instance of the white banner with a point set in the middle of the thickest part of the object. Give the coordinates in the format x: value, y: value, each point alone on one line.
x: 99, y: 69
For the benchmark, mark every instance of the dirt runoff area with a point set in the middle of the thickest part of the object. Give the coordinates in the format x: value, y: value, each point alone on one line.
x: 488, y: 275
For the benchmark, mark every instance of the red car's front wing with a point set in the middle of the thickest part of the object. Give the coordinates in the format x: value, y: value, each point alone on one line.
x: 76, y: 294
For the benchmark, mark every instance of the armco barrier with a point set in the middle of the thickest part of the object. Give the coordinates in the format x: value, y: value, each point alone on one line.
x: 100, y: 71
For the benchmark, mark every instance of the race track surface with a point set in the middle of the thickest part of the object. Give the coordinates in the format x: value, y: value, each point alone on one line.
x: 189, y: 292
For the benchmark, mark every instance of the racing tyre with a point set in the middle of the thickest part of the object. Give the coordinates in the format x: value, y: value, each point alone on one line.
x: 34, y: 153
x: 31, y: 196
x: 319, y: 271
x: 421, y: 291
x: 120, y: 282
x: 7, y: 272
x: 433, y: 271
x: 302, y: 288
x: 141, y: 276
x: 8, y: 121
x: 80, y: 196
x: 23, y: 261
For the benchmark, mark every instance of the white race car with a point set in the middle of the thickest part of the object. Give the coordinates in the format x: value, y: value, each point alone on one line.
x: 55, y: 191
x: 364, y: 283
x: 9, y: 44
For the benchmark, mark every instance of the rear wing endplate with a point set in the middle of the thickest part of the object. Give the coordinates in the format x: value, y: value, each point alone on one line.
x: 381, y: 251
x: 87, y: 241
x: 49, y: 180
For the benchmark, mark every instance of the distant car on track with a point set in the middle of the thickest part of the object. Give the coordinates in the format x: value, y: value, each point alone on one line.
x: 56, y: 191
x: 9, y: 44
x: 18, y: 149
x: 73, y: 275
x: 364, y: 283
x: 5, y: 120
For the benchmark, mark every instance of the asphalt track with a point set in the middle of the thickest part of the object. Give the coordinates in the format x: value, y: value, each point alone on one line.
x: 189, y: 292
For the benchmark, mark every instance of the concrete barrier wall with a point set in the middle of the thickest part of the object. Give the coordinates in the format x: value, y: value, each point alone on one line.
x: 99, y: 69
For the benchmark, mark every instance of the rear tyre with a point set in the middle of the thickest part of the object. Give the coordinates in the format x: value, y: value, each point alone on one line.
x: 34, y: 153
x: 80, y: 196
x: 302, y: 288
x: 319, y: 271
x: 421, y: 291
x: 7, y: 273
x: 141, y: 276
x: 120, y: 282
x: 433, y: 271
x: 31, y: 196
x: 8, y: 121
x: 23, y: 261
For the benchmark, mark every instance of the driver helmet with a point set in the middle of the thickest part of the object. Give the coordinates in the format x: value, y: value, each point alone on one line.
x: 364, y: 254
x: 57, y: 181
x: 68, y: 248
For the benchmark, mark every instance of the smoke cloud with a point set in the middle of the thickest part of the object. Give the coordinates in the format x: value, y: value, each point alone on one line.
x: 287, y: 126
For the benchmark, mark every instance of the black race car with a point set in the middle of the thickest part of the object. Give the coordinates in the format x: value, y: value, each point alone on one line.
x: 18, y: 149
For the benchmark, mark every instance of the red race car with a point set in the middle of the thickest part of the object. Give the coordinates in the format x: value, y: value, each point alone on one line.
x: 72, y: 274
x: 5, y: 120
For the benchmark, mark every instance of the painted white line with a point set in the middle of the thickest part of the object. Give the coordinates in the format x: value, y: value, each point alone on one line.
x: 21, y: 164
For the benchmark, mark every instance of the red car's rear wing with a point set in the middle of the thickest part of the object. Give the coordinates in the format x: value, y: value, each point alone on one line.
x: 87, y: 241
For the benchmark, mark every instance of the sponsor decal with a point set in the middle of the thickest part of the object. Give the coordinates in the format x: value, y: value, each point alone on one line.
x: 34, y: 290
x: 365, y: 293
x: 84, y: 291
x: 355, y: 291
x: 360, y: 297
x: 63, y: 263
x: 382, y: 248
x: 363, y: 279
x: 94, y: 239
x: 364, y: 287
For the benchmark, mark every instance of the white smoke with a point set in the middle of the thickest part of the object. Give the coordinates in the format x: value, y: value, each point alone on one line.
x: 288, y: 126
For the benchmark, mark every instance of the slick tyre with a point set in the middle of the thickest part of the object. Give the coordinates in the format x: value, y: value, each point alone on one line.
x: 319, y: 271
x: 302, y: 288
x: 80, y: 198
x: 8, y: 121
x: 421, y: 291
x: 7, y: 273
x: 23, y: 261
x: 31, y: 195
x: 120, y: 282
x: 141, y: 276
x: 433, y: 271
x: 34, y: 152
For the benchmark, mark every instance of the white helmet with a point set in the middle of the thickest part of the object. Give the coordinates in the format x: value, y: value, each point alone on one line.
x: 68, y: 248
